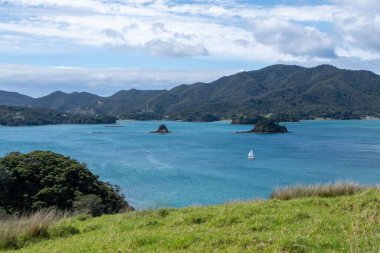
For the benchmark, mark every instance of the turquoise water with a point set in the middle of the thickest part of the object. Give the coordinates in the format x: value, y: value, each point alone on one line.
x: 206, y: 163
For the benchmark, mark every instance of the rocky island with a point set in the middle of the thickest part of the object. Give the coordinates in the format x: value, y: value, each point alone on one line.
x: 267, y: 126
x: 162, y: 129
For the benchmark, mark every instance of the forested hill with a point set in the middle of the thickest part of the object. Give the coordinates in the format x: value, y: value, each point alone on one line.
x: 14, y: 98
x: 73, y: 102
x: 303, y: 93
x: 25, y: 116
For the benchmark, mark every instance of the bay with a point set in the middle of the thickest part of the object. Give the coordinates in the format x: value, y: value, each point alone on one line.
x: 206, y: 163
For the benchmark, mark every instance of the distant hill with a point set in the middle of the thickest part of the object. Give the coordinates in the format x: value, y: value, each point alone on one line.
x: 127, y: 102
x: 303, y: 93
x: 73, y: 102
x: 14, y: 98
x: 323, y: 91
x: 26, y: 116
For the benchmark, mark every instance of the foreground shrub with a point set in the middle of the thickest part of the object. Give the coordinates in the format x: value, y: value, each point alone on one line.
x: 41, y: 179
x: 16, y: 230
x: 317, y: 190
x: 89, y: 204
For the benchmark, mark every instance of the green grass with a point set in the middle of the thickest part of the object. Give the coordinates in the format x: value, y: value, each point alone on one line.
x: 314, y: 224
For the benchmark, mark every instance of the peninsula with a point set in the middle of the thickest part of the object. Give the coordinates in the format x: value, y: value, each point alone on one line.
x: 25, y: 116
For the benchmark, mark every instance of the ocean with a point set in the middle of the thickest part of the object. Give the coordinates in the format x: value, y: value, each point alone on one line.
x: 206, y: 163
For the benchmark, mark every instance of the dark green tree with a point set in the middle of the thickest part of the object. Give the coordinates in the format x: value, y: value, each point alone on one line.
x: 43, y: 179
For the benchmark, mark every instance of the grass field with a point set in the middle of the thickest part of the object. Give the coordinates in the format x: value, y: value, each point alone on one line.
x: 313, y: 224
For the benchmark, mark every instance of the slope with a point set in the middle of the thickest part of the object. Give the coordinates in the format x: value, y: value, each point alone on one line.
x: 340, y: 224
x: 14, y: 99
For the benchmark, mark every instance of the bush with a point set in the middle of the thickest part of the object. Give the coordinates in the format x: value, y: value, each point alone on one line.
x: 89, y: 204
x: 5, y: 182
x: 3, y: 214
x: 43, y: 179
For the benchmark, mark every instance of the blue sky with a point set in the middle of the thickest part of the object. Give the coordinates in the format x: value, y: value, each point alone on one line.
x: 103, y: 46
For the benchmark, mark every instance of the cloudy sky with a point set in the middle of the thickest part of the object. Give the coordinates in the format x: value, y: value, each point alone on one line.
x: 102, y: 46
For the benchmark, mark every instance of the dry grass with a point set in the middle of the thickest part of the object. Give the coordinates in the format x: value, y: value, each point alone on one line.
x: 318, y: 190
x: 16, y: 230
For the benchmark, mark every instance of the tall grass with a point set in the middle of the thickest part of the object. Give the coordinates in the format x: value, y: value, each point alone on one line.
x: 16, y: 230
x: 342, y: 188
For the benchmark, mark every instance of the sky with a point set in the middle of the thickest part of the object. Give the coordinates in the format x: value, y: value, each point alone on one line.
x: 103, y: 46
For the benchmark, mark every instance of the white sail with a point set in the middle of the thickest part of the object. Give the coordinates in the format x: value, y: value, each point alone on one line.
x: 250, y: 155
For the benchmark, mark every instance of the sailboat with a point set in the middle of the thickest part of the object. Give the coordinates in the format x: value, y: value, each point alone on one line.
x: 251, y: 156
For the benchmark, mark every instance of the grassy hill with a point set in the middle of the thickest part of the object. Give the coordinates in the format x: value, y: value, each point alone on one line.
x: 311, y: 224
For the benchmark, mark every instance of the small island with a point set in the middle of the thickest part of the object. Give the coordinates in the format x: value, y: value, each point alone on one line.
x: 267, y: 126
x: 162, y: 129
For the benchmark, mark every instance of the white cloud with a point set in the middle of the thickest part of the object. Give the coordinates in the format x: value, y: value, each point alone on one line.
x: 368, y: 5
x: 232, y: 30
x: 360, y: 33
x: 293, y: 39
x: 37, y: 81
x: 163, y: 27
x: 173, y: 48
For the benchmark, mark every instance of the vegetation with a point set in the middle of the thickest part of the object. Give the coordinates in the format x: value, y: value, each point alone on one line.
x: 319, y: 190
x: 313, y: 224
x: 41, y: 179
x: 288, y: 92
x: 196, y: 117
x: 141, y: 116
x: 253, y: 119
x: 186, y: 116
x: 76, y: 102
x: 245, y: 119
x: 17, y: 230
x: 21, y: 116
x: 268, y: 126
x: 14, y: 99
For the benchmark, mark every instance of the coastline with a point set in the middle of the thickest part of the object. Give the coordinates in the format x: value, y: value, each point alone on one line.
x: 169, y: 120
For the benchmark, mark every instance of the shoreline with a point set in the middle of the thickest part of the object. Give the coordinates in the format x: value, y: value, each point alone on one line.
x: 166, y: 120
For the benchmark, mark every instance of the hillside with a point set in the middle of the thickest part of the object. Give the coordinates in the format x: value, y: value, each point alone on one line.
x: 14, y: 99
x: 26, y: 116
x: 301, y: 93
x: 340, y: 224
x: 126, y: 102
x: 73, y: 102
x: 323, y: 91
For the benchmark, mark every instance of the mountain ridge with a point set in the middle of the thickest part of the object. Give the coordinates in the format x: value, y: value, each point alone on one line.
x: 11, y: 98
x: 304, y: 93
